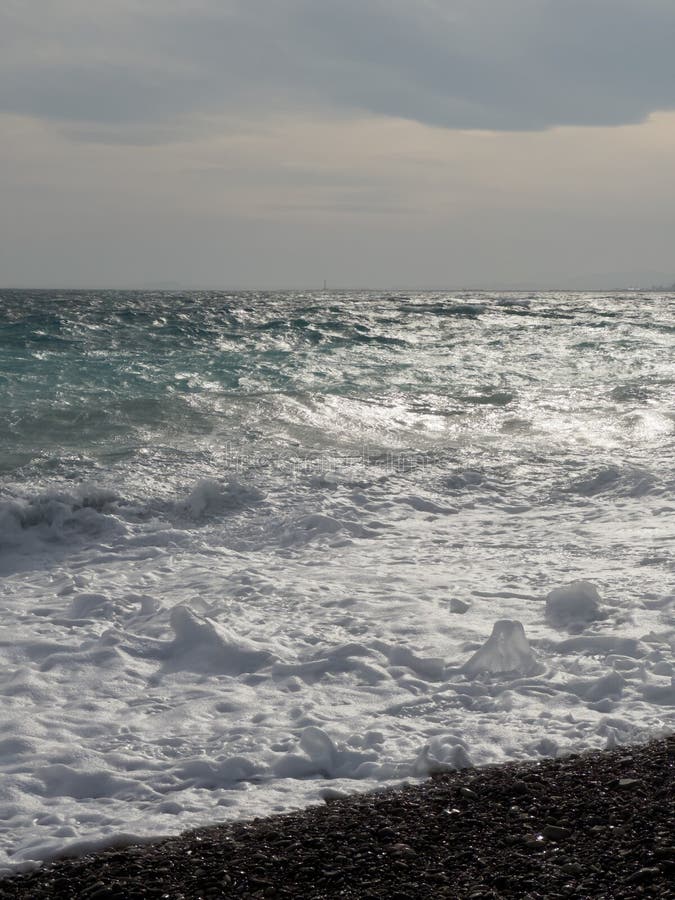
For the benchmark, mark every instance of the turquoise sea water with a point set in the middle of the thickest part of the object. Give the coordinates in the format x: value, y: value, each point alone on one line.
x: 162, y: 379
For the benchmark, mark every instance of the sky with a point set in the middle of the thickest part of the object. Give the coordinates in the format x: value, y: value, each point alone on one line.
x: 368, y: 143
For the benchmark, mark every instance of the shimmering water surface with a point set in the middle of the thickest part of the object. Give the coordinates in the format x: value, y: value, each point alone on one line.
x: 250, y: 543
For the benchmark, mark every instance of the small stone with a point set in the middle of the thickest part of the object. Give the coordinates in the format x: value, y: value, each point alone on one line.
x: 648, y: 873
x: 260, y: 883
x: 572, y: 869
x: 403, y: 850
x: 534, y: 841
x: 628, y: 782
x: 556, y: 832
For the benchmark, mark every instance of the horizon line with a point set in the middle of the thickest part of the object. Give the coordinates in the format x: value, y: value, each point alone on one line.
x: 147, y: 287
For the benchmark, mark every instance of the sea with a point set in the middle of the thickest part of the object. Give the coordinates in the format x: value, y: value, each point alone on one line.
x: 263, y: 549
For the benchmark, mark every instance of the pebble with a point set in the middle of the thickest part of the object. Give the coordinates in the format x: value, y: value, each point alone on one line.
x: 534, y: 841
x: 556, y: 832
x: 572, y: 869
x: 403, y: 850
x: 648, y: 873
x: 518, y: 788
x: 628, y: 782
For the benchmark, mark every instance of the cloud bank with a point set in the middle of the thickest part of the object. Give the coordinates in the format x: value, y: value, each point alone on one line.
x: 504, y: 65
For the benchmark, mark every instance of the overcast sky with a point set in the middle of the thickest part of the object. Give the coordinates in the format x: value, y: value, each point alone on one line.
x: 271, y: 143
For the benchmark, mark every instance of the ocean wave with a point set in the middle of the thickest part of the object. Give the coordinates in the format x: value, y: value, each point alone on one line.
x: 617, y: 481
x: 90, y: 512
x: 55, y: 512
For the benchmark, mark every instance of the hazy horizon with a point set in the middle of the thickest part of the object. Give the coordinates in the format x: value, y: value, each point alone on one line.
x: 169, y: 287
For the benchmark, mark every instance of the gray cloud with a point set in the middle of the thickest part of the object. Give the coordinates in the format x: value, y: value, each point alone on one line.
x: 468, y: 64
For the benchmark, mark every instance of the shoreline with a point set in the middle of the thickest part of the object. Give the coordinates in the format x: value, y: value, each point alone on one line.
x: 597, y: 825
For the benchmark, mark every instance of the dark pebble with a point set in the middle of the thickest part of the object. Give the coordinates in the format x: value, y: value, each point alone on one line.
x: 468, y: 793
x: 556, y: 833
x: 648, y: 873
